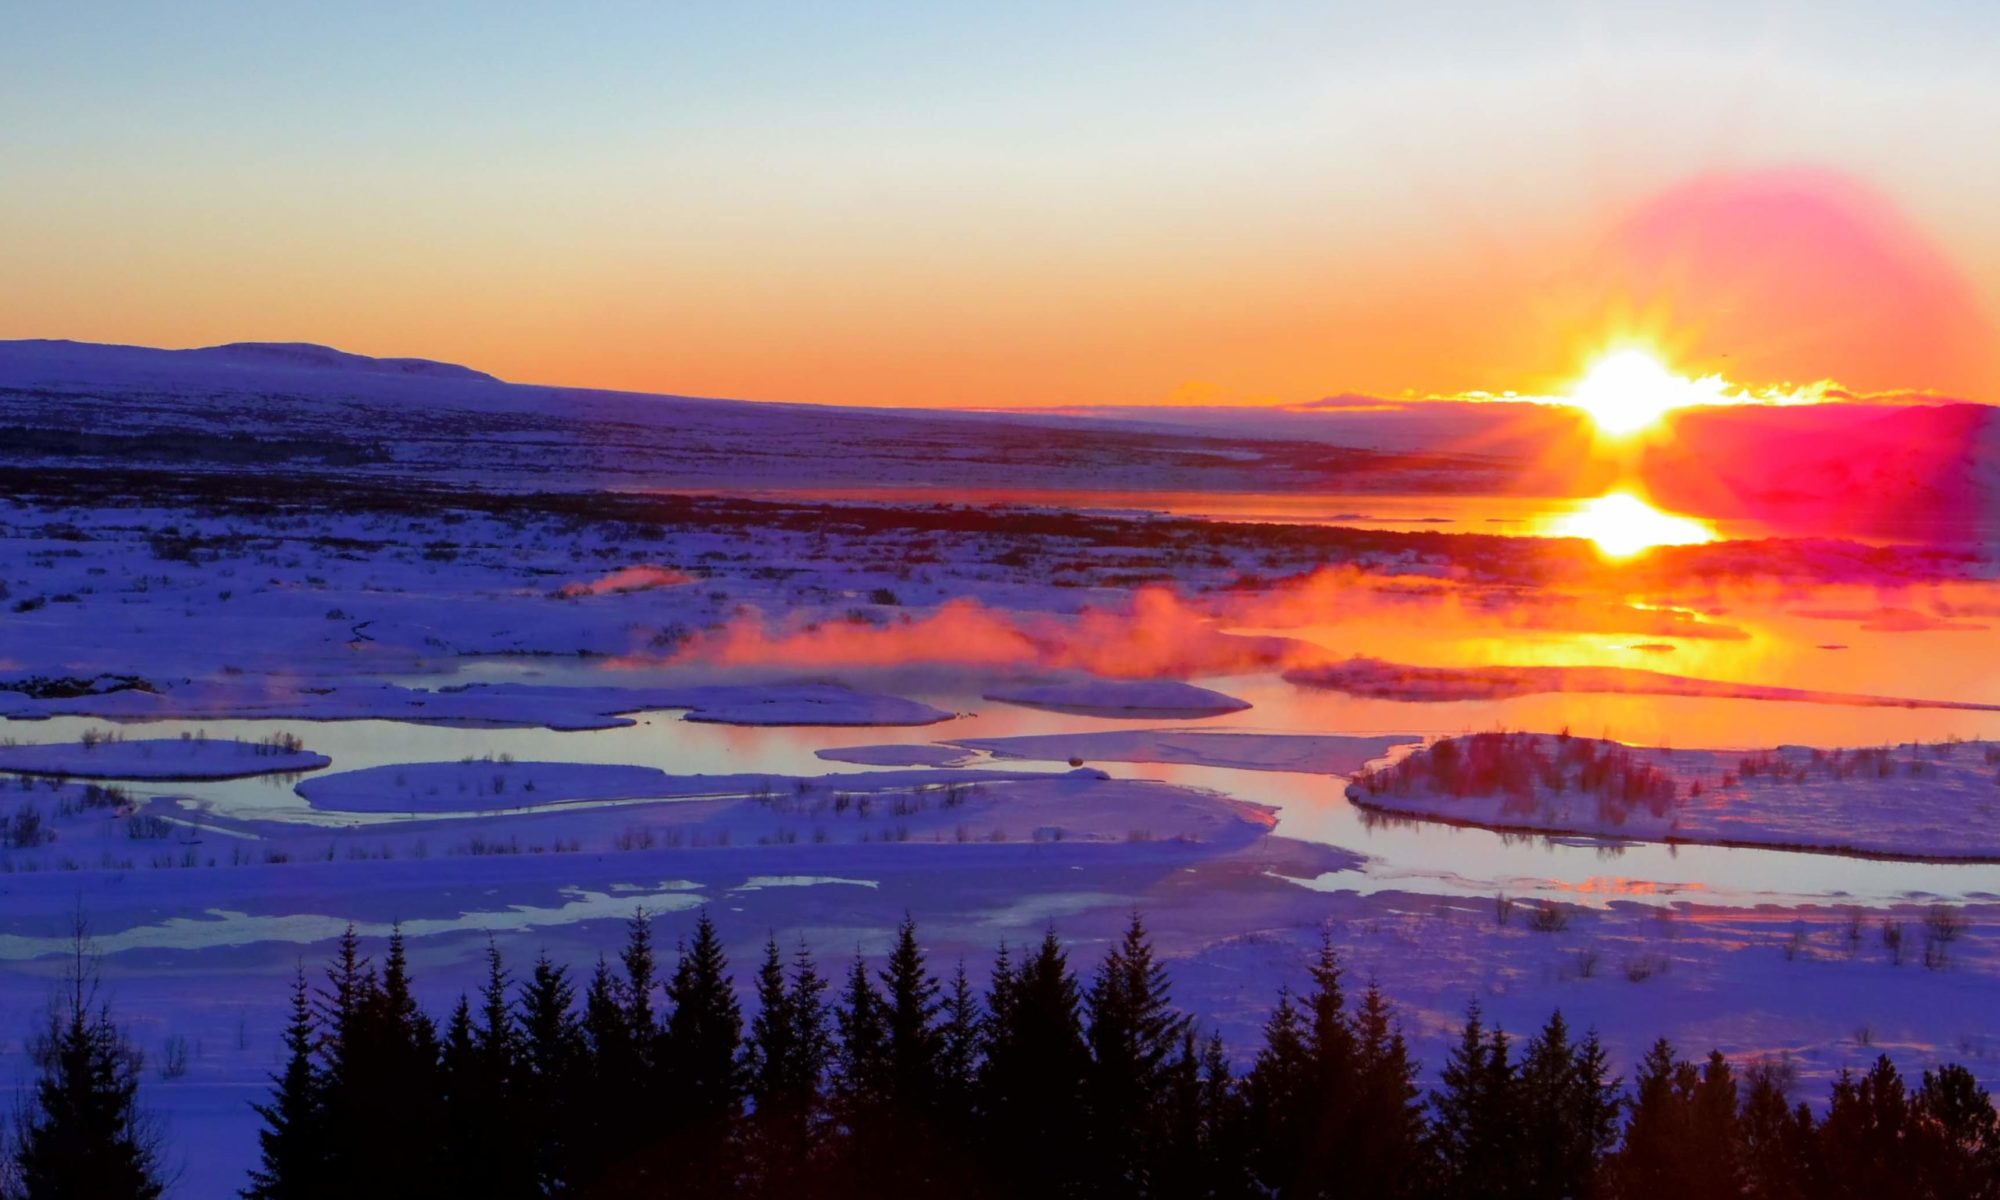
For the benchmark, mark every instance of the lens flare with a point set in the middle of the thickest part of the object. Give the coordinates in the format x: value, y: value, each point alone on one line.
x: 1622, y: 525
x: 1629, y: 390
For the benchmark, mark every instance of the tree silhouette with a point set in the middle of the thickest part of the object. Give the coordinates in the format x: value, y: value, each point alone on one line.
x: 81, y: 1134
x: 292, y: 1146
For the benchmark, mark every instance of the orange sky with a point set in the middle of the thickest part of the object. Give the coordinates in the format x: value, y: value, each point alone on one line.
x: 1046, y: 207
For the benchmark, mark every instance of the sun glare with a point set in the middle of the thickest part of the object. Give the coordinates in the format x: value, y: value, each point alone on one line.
x: 1629, y: 390
x: 1623, y: 525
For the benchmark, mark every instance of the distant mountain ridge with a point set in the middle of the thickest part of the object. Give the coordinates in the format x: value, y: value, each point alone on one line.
x: 306, y: 355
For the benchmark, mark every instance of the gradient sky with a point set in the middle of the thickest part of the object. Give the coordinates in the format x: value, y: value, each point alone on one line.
x: 936, y: 203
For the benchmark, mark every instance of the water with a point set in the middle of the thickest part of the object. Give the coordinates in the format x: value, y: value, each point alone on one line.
x: 1403, y: 855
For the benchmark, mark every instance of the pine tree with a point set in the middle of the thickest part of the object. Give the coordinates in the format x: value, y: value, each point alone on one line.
x: 960, y: 1031
x: 552, y: 1063
x: 810, y: 1035
x: 486, y: 1142
x: 1865, y: 1137
x: 390, y: 1082
x: 703, y: 1080
x: 346, y: 1005
x: 1716, y: 1152
x: 1960, y: 1135
x: 770, y: 1053
x: 81, y: 1134
x: 292, y: 1145
x: 1568, y: 1113
x: 1654, y: 1160
x: 1278, y: 1091
x: 784, y: 1061
x: 1225, y: 1129
x: 1201, y: 1156
x: 1132, y: 1031
x: 1035, y: 1065
x: 1474, y: 1132
x: 1331, y: 1146
x: 862, y: 1084
x: 618, y: 1154
x: 1781, y: 1142
x: 914, y: 1042
x: 642, y: 1028
x: 862, y: 1060
x: 1387, y: 1142
x: 704, y: 1032
x: 608, y: 1113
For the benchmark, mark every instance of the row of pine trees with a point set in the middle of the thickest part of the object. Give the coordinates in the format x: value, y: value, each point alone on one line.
x: 637, y: 1082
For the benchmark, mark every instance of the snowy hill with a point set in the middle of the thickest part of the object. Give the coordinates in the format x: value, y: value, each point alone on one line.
x: 61, y: 354
x: 285, y: 404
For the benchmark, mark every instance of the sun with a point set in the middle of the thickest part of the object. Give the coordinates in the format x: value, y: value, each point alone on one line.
x: 1630, y: 390
x: 1623, y: 525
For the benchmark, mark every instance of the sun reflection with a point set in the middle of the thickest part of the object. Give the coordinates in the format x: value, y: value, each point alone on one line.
x: 1623, y: 525
x: 1629, y: 390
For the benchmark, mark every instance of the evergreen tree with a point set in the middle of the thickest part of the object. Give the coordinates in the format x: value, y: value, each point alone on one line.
x: 81, y: 1134
x: 1568, y: 1114
x: 1034, y: 1071
x: 1780, y: 1141
x: 1716, y: 1151
x: 1201, y: 1153
x: 619, y: 1154
x: 785, y: 1059
x: 1654, y: 1160
x: 862, y: 1058
x: 642, y: 1027
x: 1867, y: 1134
x: 486, y: 1142
x: 1330, y: 1043
x: 608, y: 1113
x: 1388, y: 1139
x: 292, y: 1145
x: 552, y: 1063
x: 960, y: 1030
x: 390, y: 1085
x: 770, y: 1053
x: 704, y: 1033
x: 914, y: 1042
x: 347, y: 1003
x: 701, y: 1052
x: 1961, y: 1136
x: 861, y: 1081
x: 1473, y: 1126
x: 1133, y: 1030
x: 1278, y: 1092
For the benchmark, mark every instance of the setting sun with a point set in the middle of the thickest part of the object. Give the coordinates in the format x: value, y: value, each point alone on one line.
x: 1623, y: 525
x: 1628, y: 390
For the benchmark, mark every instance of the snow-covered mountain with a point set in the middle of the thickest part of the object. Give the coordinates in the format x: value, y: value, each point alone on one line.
x: 76, y: 401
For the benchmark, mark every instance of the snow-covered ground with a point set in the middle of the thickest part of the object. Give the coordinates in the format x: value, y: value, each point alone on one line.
x: 1142, y: 699
x: 115, y: 757
x: 1937, y: 801
x: 544, y: 695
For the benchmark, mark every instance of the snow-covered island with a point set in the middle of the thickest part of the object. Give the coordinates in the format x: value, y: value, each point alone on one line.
x: 1936, y: 801
x: 1138, y: 698
x: 161, y: 759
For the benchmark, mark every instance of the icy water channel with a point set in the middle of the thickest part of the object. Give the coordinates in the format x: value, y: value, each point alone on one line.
x: 1403, y: 855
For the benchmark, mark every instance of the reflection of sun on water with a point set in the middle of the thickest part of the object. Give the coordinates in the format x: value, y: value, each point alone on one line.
x: 1623, y: 525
